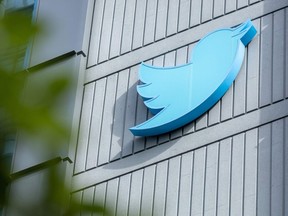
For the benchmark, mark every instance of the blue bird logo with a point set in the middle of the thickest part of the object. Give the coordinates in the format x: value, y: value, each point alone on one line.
x: 179, y: 95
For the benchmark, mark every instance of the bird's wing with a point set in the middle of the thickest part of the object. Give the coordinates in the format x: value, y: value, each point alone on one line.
x: 166, y: 92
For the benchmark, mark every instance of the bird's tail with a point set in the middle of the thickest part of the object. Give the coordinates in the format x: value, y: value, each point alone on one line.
x: 245, y: 32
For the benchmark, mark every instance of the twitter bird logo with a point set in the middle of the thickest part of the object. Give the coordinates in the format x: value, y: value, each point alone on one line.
x: 179, y: 95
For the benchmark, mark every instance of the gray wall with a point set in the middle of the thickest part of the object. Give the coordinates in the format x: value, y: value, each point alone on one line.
x: 230, y: 161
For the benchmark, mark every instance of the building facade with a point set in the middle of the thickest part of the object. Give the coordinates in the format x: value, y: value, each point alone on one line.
x: 230, y: 161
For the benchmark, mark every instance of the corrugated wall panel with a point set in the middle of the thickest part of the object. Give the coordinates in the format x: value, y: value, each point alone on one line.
x: 186, y: 175
x: 117, y: 28
x: 83, y: 136
x: 230, y: 177
x: 128, y: 25
x: 121, y: 26
x: 96, y: 124
x: 139, y: 24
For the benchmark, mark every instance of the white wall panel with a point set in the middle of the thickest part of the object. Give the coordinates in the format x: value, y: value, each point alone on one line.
x: 135, y: 193
x: 96, y: 29
x: 150, y: 21
x: 278, y: 56
x: 237, y: 179
x: 277, y: 167
x: 123, y: 194
x: 108, y: 118
x: 198, y: 188
x: 106, y: 30
x: 161, y: 19
x: 253, y: 52
x: 84, y: 127
x: 172, y: 19
x: 224, y: 177
x: 147, y: 198
x: 128, y: 25
x: 186, y: 176
x: 160, y: 188
x: 250, y: 174
x: 210, y: 196
x: 173, y: 186
x: 265, y: 60
x: 138, y: 32
x: 117, y: 28
x: 264, y: 171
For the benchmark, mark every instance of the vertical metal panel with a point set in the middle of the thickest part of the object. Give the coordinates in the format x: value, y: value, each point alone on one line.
x: 250, y: 186
x: 87, y: 199
x: 218, y: 8
x: 138, y: 32
x: 172, y: 22
x: 253, y: 54
x: 100, y: 195
x: 95, y: 33
x: 173, y: 186
x: 130, y: 112
x: 141, y: 116
x: 202, y: 122
x: 230, y: 6
x: 184, y: 14
x: 118, y: 129
x: 227, y: 104
x: 112, y: 195
x: 117, y: 28
x: 135, y: 193
x: 150, y: 21
x: 181, y: 58
x: 214, y: 114
x: 198, y: 189
x: 237, y: 169
x: 211, y: 180
x: 123, y: 194
x: 106, y: 32
x: 128, y: 25
x: 224, y: 181
x: 108, y: 114
x: 265, y: 63
x: 186, y: 176
x: 160, y: 188
x: 148, y: 190
x: 207, y: 9
x: 96, y: 123
x: 264, y: 171
x: 195, y: 15
x: 277, y: 167
x: 242, y: 3
x: 77, y: 197
x: 240, y: 89
x: 84, y: 128
x: 278, y: 56
x: 161, y: 19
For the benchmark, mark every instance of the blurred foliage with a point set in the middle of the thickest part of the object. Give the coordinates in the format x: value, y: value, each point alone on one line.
x: 30, y: 110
